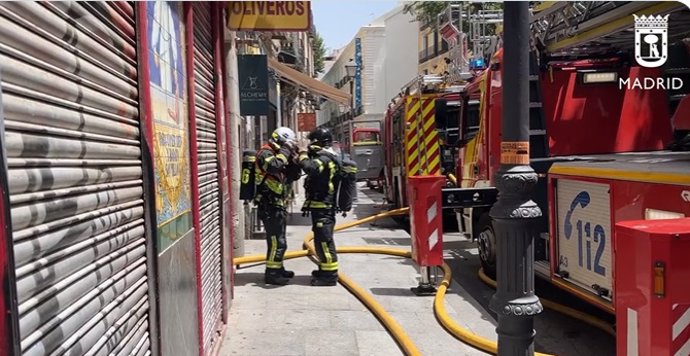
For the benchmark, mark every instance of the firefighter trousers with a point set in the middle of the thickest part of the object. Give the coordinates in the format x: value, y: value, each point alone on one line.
x: 274, y: 219
x: 323, y: 223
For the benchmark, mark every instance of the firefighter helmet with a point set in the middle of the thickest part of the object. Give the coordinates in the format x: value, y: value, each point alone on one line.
x: 283, y: 135
x: 321, y: 137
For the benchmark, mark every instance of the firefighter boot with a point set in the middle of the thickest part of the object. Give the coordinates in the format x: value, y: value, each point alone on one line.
x: 275, y: 277
x: 287, y: 273
x: 323, y: 279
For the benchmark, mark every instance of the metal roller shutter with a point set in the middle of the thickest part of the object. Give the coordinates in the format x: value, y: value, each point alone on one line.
x: 70, y: 101
x: 209, y: 187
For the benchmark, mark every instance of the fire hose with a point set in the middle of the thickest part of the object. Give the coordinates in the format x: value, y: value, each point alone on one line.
x: 396, y: 331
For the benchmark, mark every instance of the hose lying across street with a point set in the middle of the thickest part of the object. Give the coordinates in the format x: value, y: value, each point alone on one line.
x: 396, y: 331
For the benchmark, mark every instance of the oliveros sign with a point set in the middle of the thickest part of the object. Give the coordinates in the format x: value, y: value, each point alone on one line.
x: 269, y: 15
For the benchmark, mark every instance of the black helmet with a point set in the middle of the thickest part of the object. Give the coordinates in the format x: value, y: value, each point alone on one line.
x: 321, y: 137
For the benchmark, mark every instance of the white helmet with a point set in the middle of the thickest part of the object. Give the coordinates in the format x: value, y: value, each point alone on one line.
x: 283, y: 135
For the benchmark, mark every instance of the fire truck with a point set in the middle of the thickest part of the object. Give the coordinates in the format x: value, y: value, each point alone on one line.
x: 414, y: 143
x: 608, y: 139
x: 421, y: 124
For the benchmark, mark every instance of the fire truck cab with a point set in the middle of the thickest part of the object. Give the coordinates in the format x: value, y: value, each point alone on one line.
x: 420, y: 135
x: 599, y: 142
x: 367, y: 152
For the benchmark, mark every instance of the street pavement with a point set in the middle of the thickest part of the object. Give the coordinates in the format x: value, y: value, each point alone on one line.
x: 299, y: 319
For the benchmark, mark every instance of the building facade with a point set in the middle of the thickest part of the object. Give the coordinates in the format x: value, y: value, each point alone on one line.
x: 432, y: 50
x: 383, y: 60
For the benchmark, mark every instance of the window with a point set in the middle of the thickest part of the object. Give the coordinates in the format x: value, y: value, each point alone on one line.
x: 470, y: 120
x: 367, y: 137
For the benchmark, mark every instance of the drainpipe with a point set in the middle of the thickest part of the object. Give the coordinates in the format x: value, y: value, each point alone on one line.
x: 234, y: 125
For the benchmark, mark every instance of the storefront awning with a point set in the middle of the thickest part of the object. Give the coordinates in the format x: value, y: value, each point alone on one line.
x: 317, y: 87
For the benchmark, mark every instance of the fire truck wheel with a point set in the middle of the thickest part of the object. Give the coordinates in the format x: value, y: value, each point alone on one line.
x: 486, y: 239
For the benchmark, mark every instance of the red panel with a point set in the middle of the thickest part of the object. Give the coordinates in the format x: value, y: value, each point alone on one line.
x: 221, y: 122
x: 681, y: 118
x: 612, y: 119
x: 387, y: 154
x: 426, y: 223
x: 639, y: 246
x: 145, y: 79
x: 630, y: 199
x: 194, y: 166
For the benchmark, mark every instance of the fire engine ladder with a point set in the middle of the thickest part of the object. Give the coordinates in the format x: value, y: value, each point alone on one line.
x: 538, y: 142
x: 558, y: 26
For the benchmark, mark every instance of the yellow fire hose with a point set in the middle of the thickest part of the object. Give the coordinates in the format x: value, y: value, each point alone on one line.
x: 439, y: 308
x: 573, y: 313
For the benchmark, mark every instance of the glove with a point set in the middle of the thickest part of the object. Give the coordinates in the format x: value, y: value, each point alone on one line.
x: 285, y: 150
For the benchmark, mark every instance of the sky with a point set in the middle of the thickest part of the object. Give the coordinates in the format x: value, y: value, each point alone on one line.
x: 337, y: 21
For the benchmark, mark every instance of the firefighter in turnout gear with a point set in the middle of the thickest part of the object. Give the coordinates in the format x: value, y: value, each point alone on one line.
x: 276, y: 170
x: 319, y: 162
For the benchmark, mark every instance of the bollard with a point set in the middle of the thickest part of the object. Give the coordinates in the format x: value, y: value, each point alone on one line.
x: 426, y: 225
x: 651, y: 293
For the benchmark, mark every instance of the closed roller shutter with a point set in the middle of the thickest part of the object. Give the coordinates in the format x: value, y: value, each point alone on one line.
x: 69, y: 94
x: 209, y: 188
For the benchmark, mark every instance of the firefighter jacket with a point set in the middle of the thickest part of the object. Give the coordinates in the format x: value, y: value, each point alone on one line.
x: 320, y: 166
x: 274, y: 175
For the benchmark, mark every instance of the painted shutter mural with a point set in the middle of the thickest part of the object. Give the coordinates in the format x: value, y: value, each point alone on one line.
x: 72, y: 130
x: 208, y: 173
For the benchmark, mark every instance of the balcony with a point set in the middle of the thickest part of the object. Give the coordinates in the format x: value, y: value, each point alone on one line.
x: 432, y: 52
x: 427, y: 54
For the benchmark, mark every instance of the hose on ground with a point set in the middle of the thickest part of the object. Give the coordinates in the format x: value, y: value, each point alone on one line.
x: 386, y: 319
x: 398, y: 333
x: 573, y: 313
x: 456, y: 330
x: 389, y: 323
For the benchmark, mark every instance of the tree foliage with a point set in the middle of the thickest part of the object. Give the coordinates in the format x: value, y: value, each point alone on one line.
x: 319, y: 52
x: 426, y: 11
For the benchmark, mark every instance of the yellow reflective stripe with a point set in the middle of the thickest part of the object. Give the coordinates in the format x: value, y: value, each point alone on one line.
x: 274, y: 186
x: 350, y: 169
x: 271, y: 263
x: 303, y: 156
x: 316, y: 204
x: 274, y: 265
x: 331, y: 168
x: 266, y: 162
x: 328, y: 267
x: 320, y: 164
x: 281, y: 157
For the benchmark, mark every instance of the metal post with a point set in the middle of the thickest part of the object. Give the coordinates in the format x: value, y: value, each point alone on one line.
x: 514, y: 213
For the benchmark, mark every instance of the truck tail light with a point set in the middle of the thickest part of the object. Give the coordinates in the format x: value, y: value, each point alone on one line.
x: 593, y: 78
x: 659, y: 279
x: 655, y: 214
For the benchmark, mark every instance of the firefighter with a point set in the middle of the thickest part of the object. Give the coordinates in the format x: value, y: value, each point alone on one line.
x: 276, y: 169
x: 319, y: 161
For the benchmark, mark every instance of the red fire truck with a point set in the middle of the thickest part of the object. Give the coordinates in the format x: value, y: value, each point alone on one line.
x: 420, y: 135
x: 600, y: 131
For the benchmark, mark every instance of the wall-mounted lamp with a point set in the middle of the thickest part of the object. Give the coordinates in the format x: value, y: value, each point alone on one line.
x: 351, y: 70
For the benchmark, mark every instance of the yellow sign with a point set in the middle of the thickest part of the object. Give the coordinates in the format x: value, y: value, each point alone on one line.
x: 269, y: 15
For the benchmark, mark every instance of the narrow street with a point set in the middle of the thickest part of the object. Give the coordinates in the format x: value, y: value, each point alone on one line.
x: 299, y: 319
x: 140, y: 142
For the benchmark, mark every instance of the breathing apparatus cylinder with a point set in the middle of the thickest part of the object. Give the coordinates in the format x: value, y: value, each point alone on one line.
x: 248, y: 183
